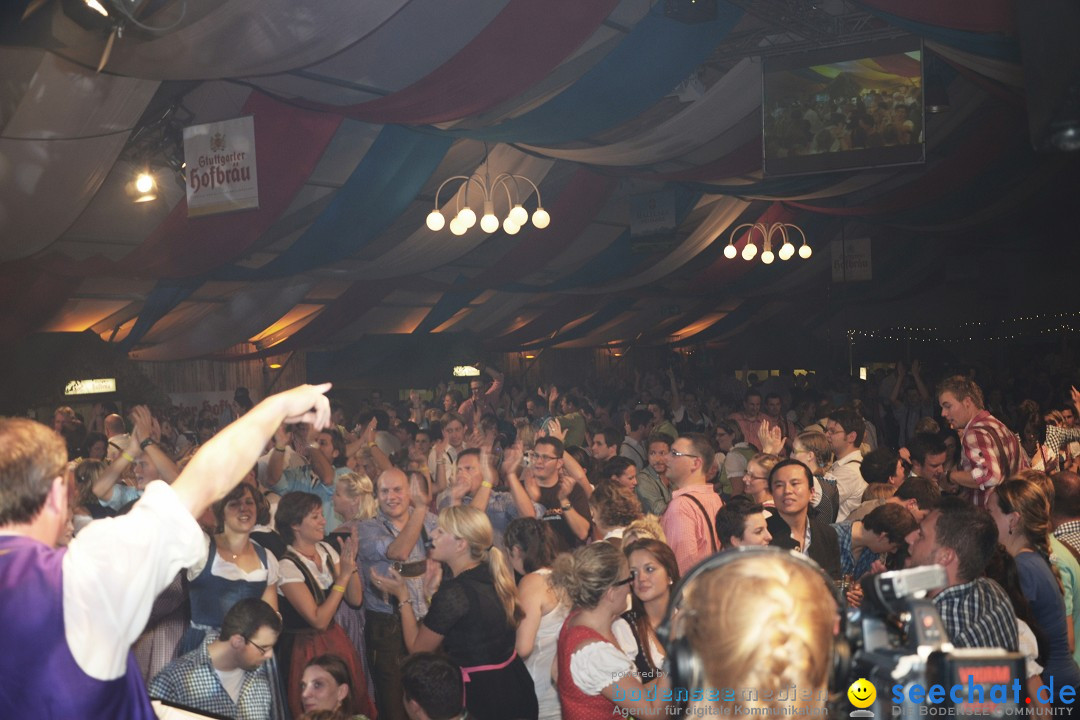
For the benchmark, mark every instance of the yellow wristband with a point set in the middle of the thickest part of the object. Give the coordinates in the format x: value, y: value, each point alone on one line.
x: 486, y: 484
x: 127, y: 457
x: 339, y: 588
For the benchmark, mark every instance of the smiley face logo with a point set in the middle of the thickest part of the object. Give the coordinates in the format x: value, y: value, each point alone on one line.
x: 862, y: 693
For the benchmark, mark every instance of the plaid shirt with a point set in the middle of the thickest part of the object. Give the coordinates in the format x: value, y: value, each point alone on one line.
x: 190, y: 680
x: 978, y: 614
x: 848, y: 564
x: 1069, y: 533
x: 980, y: 452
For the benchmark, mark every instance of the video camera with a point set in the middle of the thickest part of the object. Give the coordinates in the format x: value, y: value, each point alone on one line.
x: 897, y: 642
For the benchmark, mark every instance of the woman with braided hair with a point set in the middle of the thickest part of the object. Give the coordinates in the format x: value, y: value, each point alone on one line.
x: 1021, y: 511
x: 762, y: 621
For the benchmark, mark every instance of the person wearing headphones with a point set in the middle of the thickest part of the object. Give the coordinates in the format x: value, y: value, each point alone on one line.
x: 754, y: 617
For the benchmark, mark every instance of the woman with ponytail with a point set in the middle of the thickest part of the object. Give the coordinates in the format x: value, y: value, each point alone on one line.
x: 1021, y: 511
x: 473, y: 616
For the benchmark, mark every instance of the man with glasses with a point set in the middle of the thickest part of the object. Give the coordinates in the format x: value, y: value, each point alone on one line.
x: 844, y: 433
x: 688, y: 520
x: 565, y: 500
x: 227, y: 674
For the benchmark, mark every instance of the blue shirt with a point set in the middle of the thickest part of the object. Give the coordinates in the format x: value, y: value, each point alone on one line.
x: 848, y: 565
x: 375, y: 536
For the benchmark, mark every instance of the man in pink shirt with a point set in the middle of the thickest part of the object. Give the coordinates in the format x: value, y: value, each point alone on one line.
x: 690, y: 518
x: 750, y: 419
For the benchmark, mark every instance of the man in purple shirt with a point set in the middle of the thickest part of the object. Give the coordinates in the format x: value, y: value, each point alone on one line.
x: 70, y: 616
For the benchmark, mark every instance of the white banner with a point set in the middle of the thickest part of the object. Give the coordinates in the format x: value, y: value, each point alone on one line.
x: 851, y: 260
x: 221, y: 174
x: 652, y: 213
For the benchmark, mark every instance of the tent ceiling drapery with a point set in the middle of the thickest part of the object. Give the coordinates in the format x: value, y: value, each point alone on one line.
x: 361, y: 111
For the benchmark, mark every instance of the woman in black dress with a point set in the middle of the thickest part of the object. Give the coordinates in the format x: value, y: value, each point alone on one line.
x: 473, y: 616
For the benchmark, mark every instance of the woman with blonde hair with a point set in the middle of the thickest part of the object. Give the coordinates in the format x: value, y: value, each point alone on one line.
x: 764, y: 620
x: 595, y: 677
x: 812, y: 449
x: 1021, y: 511
x: 756, y: 480
x: 353, y: 502
x: 473, y: 616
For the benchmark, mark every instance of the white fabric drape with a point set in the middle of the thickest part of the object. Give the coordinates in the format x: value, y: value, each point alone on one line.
x: 231, y: 39
x: 727, y: 102
x: 724, y: 212
x: 245, y: 315
x: 58, y: 146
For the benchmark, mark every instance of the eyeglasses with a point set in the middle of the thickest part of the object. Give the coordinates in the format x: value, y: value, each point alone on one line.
x: 626, y: 581
x: 260, y: 648
x: 677, y: 453
x: 544, y: 458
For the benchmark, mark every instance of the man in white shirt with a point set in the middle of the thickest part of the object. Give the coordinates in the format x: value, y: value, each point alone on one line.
x: 70, y: 616
x: 844, y: 432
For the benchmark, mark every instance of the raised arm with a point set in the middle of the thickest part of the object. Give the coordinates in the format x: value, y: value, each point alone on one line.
x: 220, y: 464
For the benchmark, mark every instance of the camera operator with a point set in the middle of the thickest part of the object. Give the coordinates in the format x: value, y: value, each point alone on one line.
x: 975, y: 610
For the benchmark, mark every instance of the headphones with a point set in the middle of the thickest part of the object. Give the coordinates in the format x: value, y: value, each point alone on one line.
x: 685, y: 666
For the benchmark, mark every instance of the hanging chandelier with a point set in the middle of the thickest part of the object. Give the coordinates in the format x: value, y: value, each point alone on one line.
x: 465, y: 217
x: 786, y: 251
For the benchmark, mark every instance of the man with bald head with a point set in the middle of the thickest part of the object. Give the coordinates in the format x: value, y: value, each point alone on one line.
x: 117, y: 434
x: 396, y: 537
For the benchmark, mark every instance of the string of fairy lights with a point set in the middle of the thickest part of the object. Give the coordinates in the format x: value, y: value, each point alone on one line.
x: 1023, y: 326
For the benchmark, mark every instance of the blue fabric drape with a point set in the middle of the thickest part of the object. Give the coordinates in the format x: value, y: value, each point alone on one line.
x: 649, y: 63
x: 387, y: 179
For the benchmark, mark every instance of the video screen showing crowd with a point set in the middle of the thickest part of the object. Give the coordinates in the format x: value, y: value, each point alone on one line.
x: 670, y: 544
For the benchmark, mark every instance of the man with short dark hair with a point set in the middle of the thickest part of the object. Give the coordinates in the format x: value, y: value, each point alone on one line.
x: 433, y: 688
x: 741, y: 522
x: 637, y: 429
x: 792, y: 483
x: 917, y: 494
x: 882, y: 465
x: 652, y: 484
x: 226, y: 674
x: 844, y: 433
x: 688, y: 521
x: 69, y: 617
x: 928, y: 454
x: 566, y: 500
x: 961, y: 538
x: 605, y: 445
x: 750, y: 418
x: 474, y: 485
x: 483, y: 398
x: 990, y: 452
x: 862, y: 542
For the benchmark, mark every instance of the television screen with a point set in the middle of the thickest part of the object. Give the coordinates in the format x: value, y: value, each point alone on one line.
x: 844, y: 108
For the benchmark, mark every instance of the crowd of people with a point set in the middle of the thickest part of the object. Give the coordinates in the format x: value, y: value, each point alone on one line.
x: 518, y: 553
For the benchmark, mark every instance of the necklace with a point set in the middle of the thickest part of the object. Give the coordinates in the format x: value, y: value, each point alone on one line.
x: 228, y: 551
x: 313, y: 557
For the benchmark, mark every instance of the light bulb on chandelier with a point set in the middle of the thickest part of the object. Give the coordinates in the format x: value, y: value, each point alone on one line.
x: 787, y: 248
x: 516, y: 217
